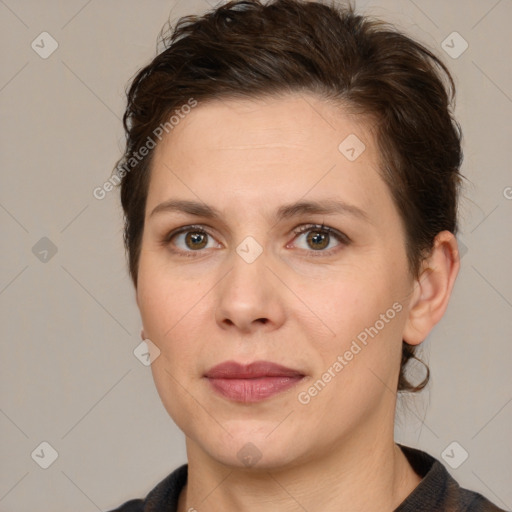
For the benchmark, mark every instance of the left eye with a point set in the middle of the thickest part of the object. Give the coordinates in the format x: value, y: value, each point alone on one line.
x: 319, y: 238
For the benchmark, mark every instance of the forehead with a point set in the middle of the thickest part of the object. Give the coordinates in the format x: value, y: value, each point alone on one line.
x: 299, y: 121
x: 277, y: 148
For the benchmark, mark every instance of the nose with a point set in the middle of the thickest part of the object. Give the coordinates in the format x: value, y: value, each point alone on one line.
x: 250, y: 297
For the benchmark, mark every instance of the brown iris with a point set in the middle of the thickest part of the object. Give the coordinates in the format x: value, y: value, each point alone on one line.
x: 195, y: 237
x: 319, y: 239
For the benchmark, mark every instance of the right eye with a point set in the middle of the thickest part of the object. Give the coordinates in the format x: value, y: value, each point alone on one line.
x: 189, y: 239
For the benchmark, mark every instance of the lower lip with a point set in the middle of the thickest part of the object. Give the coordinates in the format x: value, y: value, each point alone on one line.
x: 252, y: 390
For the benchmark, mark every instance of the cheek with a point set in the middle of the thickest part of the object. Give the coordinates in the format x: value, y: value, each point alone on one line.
x: 162, y: 300
x: 169, y: 308
x: 357, y: 369
x: 365, y: 311
x: 349, y: 300
x: 173, y: 311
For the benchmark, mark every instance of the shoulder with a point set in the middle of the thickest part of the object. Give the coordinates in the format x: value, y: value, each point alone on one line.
x: 130, y: 506
x: 164, y: 496
x: 438, y: 490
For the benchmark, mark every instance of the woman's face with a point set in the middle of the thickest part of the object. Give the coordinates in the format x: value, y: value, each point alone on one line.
x: 246, y: 286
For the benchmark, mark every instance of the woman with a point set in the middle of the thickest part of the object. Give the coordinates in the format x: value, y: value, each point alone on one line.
x: 290, y: 186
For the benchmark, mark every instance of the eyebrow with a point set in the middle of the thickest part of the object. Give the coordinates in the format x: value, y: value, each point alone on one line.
x: 324, y: 207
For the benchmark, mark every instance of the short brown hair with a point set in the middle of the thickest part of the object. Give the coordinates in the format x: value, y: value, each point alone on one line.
x: 248, y: 49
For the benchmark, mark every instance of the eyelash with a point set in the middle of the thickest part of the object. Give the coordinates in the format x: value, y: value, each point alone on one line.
x: 321, y: 228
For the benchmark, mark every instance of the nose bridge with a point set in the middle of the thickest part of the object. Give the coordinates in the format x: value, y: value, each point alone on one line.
x: 247, y: 293
x: 248, y: 278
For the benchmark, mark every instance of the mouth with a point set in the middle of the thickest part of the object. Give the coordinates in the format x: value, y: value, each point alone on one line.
x: 251, y: 383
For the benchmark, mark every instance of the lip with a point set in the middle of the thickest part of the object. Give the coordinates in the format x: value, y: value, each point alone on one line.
x: 234, y: 370
x: 253, y: 382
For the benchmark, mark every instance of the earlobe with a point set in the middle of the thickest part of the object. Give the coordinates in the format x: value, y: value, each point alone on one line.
x: 433, y: 288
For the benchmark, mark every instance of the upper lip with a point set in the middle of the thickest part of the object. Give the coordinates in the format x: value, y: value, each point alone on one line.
x: 234, y: 370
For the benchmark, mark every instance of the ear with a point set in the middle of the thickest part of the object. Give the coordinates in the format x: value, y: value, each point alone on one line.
x: 432, y: 289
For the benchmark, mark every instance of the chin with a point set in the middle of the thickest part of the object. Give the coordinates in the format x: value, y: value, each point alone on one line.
x: 253, y: 451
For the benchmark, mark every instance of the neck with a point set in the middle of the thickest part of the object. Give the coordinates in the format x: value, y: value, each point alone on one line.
x: 364, y: 474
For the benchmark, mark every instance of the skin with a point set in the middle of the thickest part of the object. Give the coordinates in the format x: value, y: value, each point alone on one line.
x: 296, y: 305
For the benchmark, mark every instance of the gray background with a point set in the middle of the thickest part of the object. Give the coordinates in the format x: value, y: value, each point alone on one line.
x: 69, y: 320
